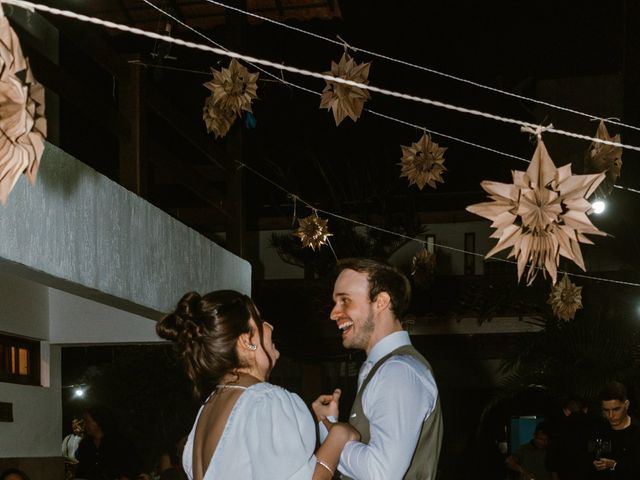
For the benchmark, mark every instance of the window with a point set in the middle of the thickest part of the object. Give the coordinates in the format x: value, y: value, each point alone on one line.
x: 430, y: 243
x: 19, y: 360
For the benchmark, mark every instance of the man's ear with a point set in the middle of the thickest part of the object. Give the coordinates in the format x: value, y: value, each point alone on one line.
x: 382, y: 301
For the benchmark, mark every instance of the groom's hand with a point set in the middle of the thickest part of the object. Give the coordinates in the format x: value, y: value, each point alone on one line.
x: 327, y: 405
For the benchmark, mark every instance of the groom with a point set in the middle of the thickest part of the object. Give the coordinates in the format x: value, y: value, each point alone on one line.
x: 397, y: 408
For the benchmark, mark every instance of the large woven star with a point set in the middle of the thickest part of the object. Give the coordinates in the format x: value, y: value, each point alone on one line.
x: 601, y: 157
x: 565, y: 299
x: 313, y: 231
x: 233, y: 88
x: 542, y: 215
x: 422, y: 162
x: 23, y: 125
x: 346, y: 100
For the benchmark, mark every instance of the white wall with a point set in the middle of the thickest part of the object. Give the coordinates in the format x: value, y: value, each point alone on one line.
x: 274, y: 267
x: 24, y: 307
x: 36, y: 429
x: 77, y: 320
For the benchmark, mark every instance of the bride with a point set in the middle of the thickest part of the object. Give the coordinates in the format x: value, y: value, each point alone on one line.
x: 246, y: 427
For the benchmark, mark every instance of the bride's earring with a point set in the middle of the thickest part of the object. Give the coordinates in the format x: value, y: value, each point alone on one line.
x: 252, y: 346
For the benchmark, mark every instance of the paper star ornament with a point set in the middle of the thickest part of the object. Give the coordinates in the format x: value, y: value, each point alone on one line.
x: 541, y: 216
x: 345, y: 100
x: 565, y: 299
x: 217, y: 120
x: 313, y: 231
x: 233, y: 88
x: 422, y: 162
x: 23, y: 125
x: 601, y: 157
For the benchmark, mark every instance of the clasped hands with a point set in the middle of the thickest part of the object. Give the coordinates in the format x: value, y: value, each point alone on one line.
x: 328, y: 406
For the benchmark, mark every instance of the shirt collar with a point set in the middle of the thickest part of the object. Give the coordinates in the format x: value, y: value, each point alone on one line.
x: 388, y: 344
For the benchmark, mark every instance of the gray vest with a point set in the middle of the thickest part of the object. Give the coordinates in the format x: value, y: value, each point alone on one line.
x: 424, y: 463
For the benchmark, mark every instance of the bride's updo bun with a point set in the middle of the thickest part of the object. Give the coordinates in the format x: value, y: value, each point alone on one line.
x: 205, y: 330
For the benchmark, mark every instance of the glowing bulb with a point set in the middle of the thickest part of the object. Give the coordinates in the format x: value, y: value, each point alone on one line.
x: 598, y: 207
x: 78, y: 392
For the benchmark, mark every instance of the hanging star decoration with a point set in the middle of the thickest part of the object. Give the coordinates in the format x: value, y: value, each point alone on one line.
x: 346, y: 100
x: 313, y: 231
x: 23, y: 125
x: 423, y: 268
x: 565, y: 299
x: 542, y: 215
x: 422, y: 162
x: 601, y: 157
x: 232, y: 91
x: 217, y: 120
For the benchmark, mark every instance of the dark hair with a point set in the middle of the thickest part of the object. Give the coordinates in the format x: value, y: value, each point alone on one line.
x: 205, y: 330
x: 104, y: 418
x: 382, y: 278
x: 542, y: 427
x: 15, y: 471
x: 614, y: 391
x: 574, y: 404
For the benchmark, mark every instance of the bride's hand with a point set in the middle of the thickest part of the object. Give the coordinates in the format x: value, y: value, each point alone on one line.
x: 345, y: 431
x: 327, y: 405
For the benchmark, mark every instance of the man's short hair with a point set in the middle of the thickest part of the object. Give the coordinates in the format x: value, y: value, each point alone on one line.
x: 614, y: 391
x: 574, y: 404
x: 382, y: 278
x: 542, y: 427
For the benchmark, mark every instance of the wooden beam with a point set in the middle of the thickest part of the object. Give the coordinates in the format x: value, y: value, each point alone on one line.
x: 89, y: 42
x: 185, y: 175
x: 131, y: 171
x: 197, y: 137
x: 204, y: 219
x: 59, y: 81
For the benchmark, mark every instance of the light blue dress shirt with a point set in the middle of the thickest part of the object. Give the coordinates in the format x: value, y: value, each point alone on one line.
x: 396, y: 401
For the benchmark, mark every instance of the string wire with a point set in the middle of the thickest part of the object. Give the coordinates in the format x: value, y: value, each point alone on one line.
x: 330, y: 78
x: 421, y: 67
x: 308, y: 73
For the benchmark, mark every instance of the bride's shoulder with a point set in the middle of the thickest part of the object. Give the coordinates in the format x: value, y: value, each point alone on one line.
x: 275, y: 397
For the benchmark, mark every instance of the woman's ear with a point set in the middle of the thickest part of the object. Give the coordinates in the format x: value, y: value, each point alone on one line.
x: 245, y: 343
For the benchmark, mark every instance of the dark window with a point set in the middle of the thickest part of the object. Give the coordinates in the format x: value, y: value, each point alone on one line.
x: 469, y: 257
x: 19, y: 360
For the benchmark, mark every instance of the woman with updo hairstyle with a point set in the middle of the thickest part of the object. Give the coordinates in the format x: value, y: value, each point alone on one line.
x: 246, y: 427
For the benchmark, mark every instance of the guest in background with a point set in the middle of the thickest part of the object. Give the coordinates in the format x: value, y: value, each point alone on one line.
x: 103, y: 452
x: 13, y: 474
x: 529, y: 460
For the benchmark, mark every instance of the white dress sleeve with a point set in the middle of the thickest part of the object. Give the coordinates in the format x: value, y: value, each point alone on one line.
x: 270, y: 435
x: 280, y: 436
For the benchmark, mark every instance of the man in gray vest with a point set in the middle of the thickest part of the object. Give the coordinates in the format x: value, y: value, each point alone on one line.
x: 397, y: 407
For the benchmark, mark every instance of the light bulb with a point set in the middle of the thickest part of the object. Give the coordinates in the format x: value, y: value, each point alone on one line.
x: 598, y: 207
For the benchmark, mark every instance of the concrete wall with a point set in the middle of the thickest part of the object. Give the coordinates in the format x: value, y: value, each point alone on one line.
x: 79, y: 232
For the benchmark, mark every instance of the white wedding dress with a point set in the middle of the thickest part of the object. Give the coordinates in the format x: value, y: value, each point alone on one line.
x: 270, y: 435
